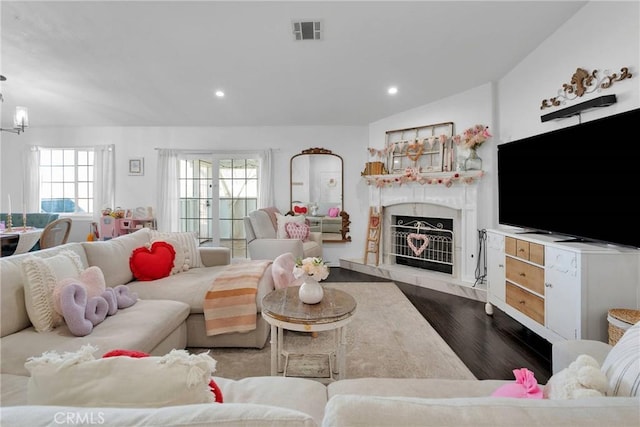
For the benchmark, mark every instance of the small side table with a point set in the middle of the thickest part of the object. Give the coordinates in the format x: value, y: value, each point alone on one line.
x: 282, y: 309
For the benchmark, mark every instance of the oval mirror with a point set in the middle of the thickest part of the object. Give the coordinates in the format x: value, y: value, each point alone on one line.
x: 317, y: 192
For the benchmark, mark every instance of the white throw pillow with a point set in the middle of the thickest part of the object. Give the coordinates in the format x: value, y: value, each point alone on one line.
x: 622, y: 364
x: 186, y: 241
x: 40, y: 278
x: 79, y: 379
x: 262, y: 225
x: 282, y: 220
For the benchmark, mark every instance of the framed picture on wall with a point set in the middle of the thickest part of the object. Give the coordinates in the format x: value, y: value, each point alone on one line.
x: 136, y: 166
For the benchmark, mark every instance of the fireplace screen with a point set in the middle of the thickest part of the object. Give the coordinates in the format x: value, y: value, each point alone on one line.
x: 423, y: 242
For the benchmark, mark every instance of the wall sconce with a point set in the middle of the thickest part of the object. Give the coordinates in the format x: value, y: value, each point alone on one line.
x: 20, y: 121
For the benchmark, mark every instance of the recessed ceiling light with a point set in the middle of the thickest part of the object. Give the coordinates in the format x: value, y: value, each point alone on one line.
x: 392, y: 90
x: 220, y: 94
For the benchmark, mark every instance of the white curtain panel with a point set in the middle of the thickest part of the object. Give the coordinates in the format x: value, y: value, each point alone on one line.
x: 168, y: 195
x: 104, y: 178
x: 32, y: 180
x: 265, y: 192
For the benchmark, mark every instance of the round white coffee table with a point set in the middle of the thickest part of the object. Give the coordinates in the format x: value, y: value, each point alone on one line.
x: 282, y: 309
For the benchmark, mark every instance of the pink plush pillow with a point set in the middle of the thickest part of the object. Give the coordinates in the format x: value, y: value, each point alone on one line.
x: 297, y: 231
x: 334, y: 212
x: 282, y: 271
x: 93, y: 280
x: 525, y: 387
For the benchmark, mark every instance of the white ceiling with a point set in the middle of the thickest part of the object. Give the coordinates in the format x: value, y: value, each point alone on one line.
x: 148, y: 63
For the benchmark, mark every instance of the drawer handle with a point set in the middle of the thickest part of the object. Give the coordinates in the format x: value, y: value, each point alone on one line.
x: 548, y: 285
x: 521, y: 250
x: 521, y: 274
x: 501, y: 265
x: 522, y: 302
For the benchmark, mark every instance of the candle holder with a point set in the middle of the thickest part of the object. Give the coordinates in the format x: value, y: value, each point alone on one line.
x: 9, y: 223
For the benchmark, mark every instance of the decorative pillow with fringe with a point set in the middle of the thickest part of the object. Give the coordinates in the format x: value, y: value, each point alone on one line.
x: 180, y: 261
x: 79, y: 379
x: 183, y: 242
x: 40, y: 278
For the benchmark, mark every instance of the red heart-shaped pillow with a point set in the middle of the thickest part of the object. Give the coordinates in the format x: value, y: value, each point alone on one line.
x: 300, y: 209
x: 152, y: 263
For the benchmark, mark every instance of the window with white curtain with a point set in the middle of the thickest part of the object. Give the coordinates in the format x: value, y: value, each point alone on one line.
x: 66, y: 180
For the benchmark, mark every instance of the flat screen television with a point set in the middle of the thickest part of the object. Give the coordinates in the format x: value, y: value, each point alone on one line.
x: 581, y: 181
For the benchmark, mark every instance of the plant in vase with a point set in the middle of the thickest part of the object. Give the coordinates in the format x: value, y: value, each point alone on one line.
x: 471, y: 139
x: 313, y: 270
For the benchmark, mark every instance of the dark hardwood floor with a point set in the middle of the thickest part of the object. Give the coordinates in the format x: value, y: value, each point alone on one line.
x: 491, y: 346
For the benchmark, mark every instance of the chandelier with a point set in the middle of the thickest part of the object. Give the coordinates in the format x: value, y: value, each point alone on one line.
x: 20, y: 118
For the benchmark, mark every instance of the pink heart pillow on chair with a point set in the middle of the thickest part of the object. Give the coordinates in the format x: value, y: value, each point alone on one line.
x: 297, y: 230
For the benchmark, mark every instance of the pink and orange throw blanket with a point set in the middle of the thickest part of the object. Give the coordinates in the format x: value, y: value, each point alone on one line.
x: 230, y: 303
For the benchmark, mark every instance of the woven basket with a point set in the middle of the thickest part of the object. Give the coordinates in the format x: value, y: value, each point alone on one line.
x: 622, y: 315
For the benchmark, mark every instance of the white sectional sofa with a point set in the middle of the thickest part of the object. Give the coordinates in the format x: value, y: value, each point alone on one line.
x: 370, y: 402
x: 168, y: 315
x: 158, y: 325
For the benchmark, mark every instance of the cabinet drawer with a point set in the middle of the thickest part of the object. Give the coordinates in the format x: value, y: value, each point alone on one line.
x: 526, y: 275
x: 525, y: 302
x: 522, y: 249
x: 510, y: 246
x: 536, y: 253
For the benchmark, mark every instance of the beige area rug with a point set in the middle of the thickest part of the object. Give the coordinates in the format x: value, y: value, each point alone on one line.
x: 387, y: 337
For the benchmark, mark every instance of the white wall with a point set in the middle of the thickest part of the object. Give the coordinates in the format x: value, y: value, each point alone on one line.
x: 465, y: 109
x: 133, y: 191
x: 602, y: 35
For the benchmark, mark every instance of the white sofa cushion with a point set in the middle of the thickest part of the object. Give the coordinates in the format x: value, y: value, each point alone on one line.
x: 357, y: 410
x: 191, y: 286
x: 622, y: 364
x: 154, y: 321
x: 415, y: 387
x: 300, y: 394
x: 198, y: 415
x: 80, y: 379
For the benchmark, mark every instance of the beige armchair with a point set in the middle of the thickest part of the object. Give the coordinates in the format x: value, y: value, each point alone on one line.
x: 263, y: 243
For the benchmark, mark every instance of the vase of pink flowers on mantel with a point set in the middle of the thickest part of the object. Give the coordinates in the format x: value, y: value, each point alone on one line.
x: 312, y: 270
x: 472, y: 139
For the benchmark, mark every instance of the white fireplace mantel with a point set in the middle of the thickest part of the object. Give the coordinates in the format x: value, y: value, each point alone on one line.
x: 461, y: 197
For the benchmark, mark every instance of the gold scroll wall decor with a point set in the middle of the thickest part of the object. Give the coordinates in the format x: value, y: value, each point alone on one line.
x: 583, y: 82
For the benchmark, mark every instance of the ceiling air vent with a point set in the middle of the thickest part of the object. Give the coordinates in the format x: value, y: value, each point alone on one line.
x: 306, y: 30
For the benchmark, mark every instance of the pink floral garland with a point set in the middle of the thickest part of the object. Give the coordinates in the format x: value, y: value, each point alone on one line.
x: 413, y: 175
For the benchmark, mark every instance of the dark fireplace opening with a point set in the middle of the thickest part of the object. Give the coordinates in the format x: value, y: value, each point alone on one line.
x: 423, y: 242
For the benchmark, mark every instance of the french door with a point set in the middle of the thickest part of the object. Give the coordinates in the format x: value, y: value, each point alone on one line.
x: 215, y: 208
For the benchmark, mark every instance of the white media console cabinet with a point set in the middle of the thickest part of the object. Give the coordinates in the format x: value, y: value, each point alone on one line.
x: 560, y: 289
